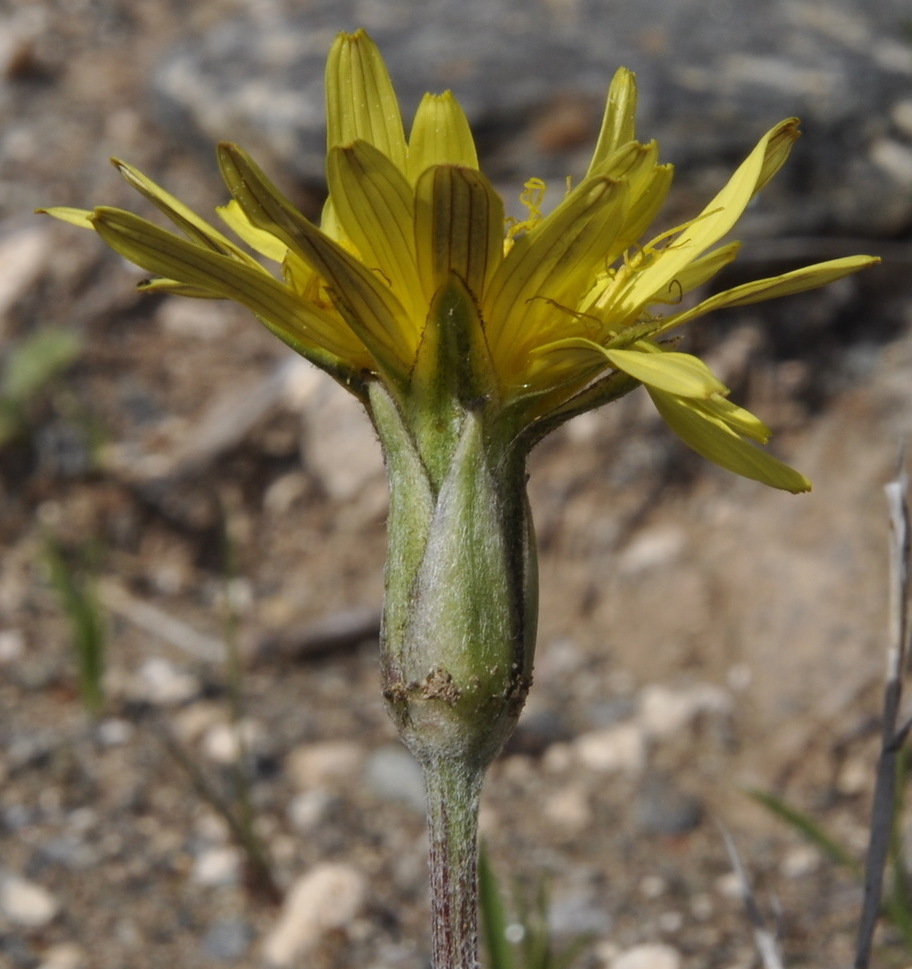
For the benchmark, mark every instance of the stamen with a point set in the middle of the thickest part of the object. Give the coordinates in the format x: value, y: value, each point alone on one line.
x: 532, y: 198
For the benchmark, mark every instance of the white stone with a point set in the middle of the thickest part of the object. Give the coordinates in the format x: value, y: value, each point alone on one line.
x: 225, y: 743
x: 196, y: 318
x: 729, y: 885
x: 557, y: 759
x: 12, y: 646
x: 663, y: 711
x: 192, y: 722
x: 328, y: 897
x: 901, y: 115
x: 113, y: 732
x: 652, y: 956
x: 25, y: 903
x: 653, y: 886
x: 324, y: 764
x: 856, y: 776
x: 568, y: 808
x: 340, y: 444
x: 217, y: 866
x: 894, y: 158
x: 800, y: 860
x: 23, y: 255
x: 160, y: 682
x: 309, y: 809
x: 651, y: 549
x: 618, y: 748
x: 66, y: 955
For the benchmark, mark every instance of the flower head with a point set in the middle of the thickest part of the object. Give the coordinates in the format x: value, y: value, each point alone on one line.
x: 415, y: 279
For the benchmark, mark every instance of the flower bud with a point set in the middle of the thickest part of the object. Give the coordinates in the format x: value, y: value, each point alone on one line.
x: 461, y: 582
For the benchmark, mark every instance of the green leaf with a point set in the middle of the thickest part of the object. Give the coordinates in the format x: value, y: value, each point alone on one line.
x: 805, y: 825
x: 494, y: 918
x: 36, y: 361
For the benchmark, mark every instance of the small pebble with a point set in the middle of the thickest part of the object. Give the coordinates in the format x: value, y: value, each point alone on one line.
x: 654, y: 956
x: 114, y: 732
x: 568, y: 809
x: 653, y: 886
x: 323, y: 764
x: 652, y: 549
x: 856, y: 776
x: 66, y: 955
x: 12, y: 646
x: 225, y: 743
x: 537, y: 731
x: 216, y: 867
x: 662, y: 808
x: 227, y: 940
x: 340, y: 446
x: 162, y: 683
x: 328, y: 897
x: 799, y: 861
x: 663, y: 711
x: 394, y: 775
x: 309, y: 809
x: 618, y: 748
x: 25, y: 903
x: 24, y: 254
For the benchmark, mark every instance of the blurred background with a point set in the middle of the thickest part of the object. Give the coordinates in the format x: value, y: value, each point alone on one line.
x: 192, y: 521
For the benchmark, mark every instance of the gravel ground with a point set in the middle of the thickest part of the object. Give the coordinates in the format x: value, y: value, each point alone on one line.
x: 699, y: 636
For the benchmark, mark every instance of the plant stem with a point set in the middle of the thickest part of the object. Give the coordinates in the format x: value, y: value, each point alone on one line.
x: 453, y: 789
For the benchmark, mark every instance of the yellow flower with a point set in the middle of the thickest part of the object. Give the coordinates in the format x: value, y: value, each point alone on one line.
x: 416, y: 279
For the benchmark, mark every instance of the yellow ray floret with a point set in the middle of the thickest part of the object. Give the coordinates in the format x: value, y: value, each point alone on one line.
x: 414, y: 271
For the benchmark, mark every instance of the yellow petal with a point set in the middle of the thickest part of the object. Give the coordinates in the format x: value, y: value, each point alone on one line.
x: 716, y: 220
x: 648, y: 184
x: 171, y: 287
x: 360, y: 101
x: 618, y: 122
x: 779, y: 143
x: 440, y: 136
x: 740, y: 420
x: 648, y: 190
x: 698, y: 272
x: 80, y: 217
x: 559, y: 257
x: 562, y: 362
x: 797, y: 281
x: 183, y: 217
x: 375, y: 206
x: 681, y: 374
x: 710, y: 436
x: 319, y: 336
x: 368, y: 305
x: 262, y: 242
x: 458, y: 228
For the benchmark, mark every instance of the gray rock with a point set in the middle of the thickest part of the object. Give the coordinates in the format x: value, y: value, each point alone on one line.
x: 69, y: 851
x: 394, y: 775
x: 662, y: 808
x: 227, y: 940
x: 713, y: 77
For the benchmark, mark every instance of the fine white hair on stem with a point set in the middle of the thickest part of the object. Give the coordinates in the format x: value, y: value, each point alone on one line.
x: 892, y: 736
x: 764, y: 937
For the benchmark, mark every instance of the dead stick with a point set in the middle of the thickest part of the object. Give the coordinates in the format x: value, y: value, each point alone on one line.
x: 891, y: 737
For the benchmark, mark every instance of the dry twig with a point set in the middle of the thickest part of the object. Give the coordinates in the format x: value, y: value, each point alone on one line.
x: 764, y: 938
x: 892, y: 737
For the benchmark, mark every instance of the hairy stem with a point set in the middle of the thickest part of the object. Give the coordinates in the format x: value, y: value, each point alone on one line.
x: 453, y: 789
